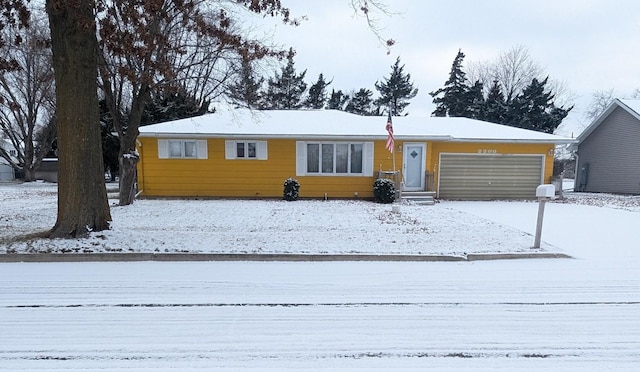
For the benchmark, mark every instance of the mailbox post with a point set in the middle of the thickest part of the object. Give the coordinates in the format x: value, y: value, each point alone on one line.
x: 543, y: 193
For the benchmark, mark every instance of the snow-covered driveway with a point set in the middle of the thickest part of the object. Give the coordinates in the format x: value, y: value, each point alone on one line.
x: 509, y: 315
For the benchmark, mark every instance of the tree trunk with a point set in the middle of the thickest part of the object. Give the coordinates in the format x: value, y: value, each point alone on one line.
x: 128, y: 175
x: 82, y: 195
x: 29, y: 174
x: 128, y: 154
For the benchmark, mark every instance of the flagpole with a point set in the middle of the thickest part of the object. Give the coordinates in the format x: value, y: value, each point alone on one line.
x: 393, y: 150
x: 393, y: 157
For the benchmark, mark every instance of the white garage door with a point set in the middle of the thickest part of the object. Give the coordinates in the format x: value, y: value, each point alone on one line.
x: 489, y: 176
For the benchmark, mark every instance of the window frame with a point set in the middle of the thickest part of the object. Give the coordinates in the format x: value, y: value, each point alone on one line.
x: 320, y: 169
x: 200, y: 148
x: 183, y: 149
x: 231, y: 149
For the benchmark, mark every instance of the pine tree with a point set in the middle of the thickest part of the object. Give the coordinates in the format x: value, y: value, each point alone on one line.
x: 396, y: 90
x: 245, y: 90
x: 317, y: 93
x: 169, y: 105
x: 337, y: 100
x: 361, y: 103
x: 285, y: 91
x: 534, y: 109
x: 455, y: 99
x: 495, y: 107
x: 476, y: 101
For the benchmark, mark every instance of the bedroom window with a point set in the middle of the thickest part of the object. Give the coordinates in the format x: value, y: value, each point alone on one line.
x: 246, y: 149
x: 182, y: 149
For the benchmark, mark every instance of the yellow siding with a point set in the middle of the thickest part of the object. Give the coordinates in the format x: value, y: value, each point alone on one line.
x: 219, y: 177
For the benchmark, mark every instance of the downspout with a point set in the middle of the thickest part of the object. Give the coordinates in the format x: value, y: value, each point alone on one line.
x: 575, y: 172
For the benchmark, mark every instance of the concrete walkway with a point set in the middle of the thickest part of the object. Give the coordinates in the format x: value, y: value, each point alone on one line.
x: 131, y: 257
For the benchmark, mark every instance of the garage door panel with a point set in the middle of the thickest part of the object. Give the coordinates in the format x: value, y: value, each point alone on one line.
x: 473, y: 176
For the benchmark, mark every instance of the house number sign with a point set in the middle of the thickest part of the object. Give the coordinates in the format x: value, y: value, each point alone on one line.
x: 487, y: 151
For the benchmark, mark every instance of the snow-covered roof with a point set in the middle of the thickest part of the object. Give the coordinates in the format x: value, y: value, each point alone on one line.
x: 334, y: 124
x: 632, y: 106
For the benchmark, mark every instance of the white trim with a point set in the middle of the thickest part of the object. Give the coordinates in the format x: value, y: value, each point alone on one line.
x: 229, y: 150
x: 163, y: 149
x: 301, y: 158
x: 261, y: 150
x: 201, y: 149
x: 405, y: 154
x: 604, y: 115
x: 367, y: 159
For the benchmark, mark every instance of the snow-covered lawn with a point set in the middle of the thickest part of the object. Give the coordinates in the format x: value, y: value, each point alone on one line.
x: 261, y: 226
x: 536, y: 315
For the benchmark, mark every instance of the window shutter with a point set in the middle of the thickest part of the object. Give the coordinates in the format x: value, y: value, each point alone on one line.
x: 201, y: 146
x: 367, y: 159
x: 229, y: 149
x: 163, y: 149
x: 262, y: 150
x: 301, y: 158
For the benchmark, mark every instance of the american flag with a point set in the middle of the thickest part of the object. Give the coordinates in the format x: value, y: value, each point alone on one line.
x: 390, y: 139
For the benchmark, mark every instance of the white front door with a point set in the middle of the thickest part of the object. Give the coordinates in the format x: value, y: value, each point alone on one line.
x: 413, y: 169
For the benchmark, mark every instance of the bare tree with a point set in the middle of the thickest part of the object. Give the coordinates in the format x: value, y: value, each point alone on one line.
x: 27, y: 97
x: 370, y: 10
x: 162, y: 44
x: 514, y: 70
x: 82, y: 199
x: 600, y: 100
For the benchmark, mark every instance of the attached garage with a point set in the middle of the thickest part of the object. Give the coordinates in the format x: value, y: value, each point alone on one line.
x: 335, y: 154
x: 489, y: 176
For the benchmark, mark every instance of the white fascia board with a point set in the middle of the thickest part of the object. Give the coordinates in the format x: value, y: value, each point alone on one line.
x: 558, y: 141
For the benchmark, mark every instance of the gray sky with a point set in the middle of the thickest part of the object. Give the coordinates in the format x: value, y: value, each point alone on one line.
x: 589, y: 44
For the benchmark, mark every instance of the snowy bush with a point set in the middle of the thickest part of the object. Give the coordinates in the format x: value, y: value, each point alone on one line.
x: 384, y: 191
x: 291, y: 187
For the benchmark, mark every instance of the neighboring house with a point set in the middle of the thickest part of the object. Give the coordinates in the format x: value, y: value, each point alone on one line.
x: 48, y: 170
x: 608, y: 151
x: 6, y: 171
x: 335, y: 154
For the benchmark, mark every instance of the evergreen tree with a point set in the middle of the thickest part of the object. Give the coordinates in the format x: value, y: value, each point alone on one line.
x: 245, y: 90
x: 476, y: 101
x: 169, y: 105
x: 495, y: 107
x: 361, y: 103
x: 317, y: 93
x: 337, y: 100
x: 534, y: 109
x: 455, y: 99
x: 396, y: 90
x: 285, y: 91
